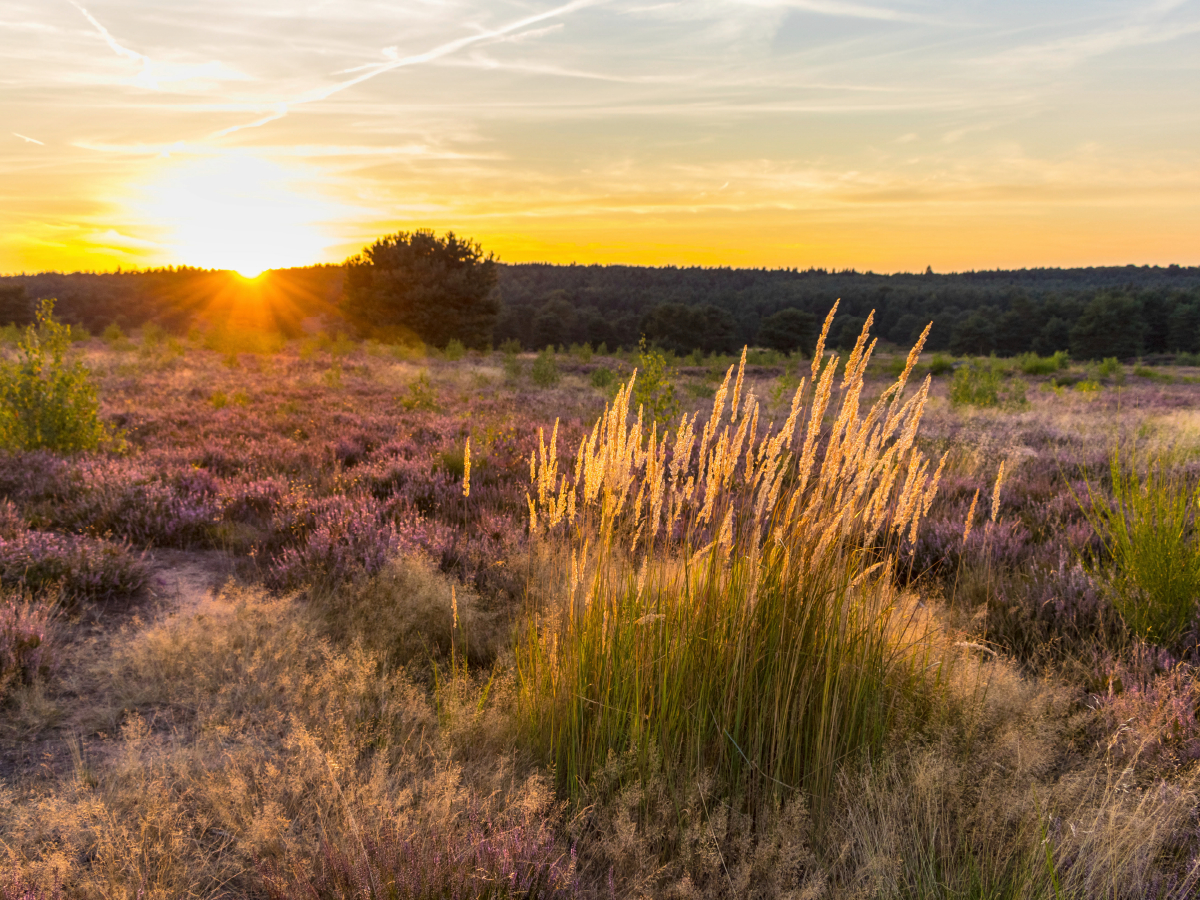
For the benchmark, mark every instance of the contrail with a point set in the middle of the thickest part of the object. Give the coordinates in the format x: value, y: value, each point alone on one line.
x: 145, y: 77
x: 29, y: 140
x: 281, y: 109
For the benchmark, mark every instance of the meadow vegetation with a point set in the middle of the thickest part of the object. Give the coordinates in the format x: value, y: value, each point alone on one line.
x: 337, y: 619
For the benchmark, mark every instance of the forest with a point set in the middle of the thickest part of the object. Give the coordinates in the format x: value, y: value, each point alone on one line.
x: 1092, y: 313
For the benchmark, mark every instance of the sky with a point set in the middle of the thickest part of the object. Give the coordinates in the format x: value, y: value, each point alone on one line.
x: 885, y: 136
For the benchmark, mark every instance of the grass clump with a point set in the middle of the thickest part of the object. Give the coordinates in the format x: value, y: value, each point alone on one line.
x: 48, y: 401
x: 1148, y: 530
x: 729, y: 606
x: 545, y: 369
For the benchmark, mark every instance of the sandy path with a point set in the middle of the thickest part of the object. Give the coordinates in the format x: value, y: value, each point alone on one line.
x: 188, y: 581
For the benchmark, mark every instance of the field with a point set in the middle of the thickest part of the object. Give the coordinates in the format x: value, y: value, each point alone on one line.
x: 287, y: 636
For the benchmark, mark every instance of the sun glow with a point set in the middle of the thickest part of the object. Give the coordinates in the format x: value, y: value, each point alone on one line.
x: 238, y: 212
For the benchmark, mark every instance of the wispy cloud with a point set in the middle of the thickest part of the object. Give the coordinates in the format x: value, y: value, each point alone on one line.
x: 281, y: 109
x: 144, y: 78
x: 29, y: 140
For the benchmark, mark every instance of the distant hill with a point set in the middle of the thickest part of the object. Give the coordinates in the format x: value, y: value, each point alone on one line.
x: 1093, y: 312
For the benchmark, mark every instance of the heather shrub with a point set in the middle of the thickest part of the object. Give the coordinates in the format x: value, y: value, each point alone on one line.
x: 725, y: 598
x: 25, y: 646
x: 1148, y: 529
x: 80, y: 569
x: 346, y: 540
x: 47, y: 401
x: 545, y: 369
x: 475, y: 855
x: 12, y: 523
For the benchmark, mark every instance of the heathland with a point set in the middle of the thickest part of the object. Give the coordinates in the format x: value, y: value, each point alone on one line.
x: 316, y: 617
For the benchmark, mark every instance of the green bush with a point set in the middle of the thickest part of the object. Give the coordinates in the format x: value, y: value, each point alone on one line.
x: 941, y: 364
x: 1111, y: 368
x: 654, y: 389
x: 1149, y: 531
x: 46, y: 401
x: 982, y: 383
x: 545, y: 369
x: 1032, y: 364
x: 511, y: 347
x: 420, y: 394
x: 582, y: 352
x: 602, y: 378
x: 455, y: 350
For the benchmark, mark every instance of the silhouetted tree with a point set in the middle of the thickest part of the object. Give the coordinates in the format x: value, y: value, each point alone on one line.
x: 440, y: 288
x: 789, y: 330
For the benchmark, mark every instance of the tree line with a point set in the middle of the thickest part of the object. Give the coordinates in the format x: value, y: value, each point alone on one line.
x: 417, y: 285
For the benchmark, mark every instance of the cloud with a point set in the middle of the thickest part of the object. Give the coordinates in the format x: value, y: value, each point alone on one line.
x: 29, y: 140
x: 281, y: 109
x: 144, y: 78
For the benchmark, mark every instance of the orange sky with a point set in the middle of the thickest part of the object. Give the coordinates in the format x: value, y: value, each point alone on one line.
x: 885, y: 136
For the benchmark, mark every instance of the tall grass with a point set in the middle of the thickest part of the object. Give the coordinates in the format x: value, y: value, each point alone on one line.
x: 1149, y: 530
x: 729, y: 603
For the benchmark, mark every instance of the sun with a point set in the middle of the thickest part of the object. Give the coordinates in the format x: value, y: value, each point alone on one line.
x: 238, y: 212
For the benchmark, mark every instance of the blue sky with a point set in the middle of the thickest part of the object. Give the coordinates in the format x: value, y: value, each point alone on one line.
x: 888, y: 136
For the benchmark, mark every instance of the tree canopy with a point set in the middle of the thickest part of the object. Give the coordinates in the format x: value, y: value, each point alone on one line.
x: 436, y: 288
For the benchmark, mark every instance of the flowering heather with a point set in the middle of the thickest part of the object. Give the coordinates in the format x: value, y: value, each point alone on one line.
x: 25, y: 652
x: 81, y: 569
x: 17, y: 888
x: 476, y: 858
x: 340, y: 539
x: 1150, y: 703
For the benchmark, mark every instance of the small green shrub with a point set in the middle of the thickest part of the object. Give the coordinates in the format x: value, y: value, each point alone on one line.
x: 1111, y: 368
x: 420, y: 394
x: 1149, y: 531
x: 1088, y: 388
x: 240, y: 398
x: 941, y: 364
x: 333, y: 375
x: 654, y: 389
x: 982, y: 384
x: 545, y: 369
x: 511, y: 347
x: 1032, y: 364
x: 219, y: 400
x: 582, y: 352
x: 455, y: 350
x: 602, y: 378
x: 116, y: 338
x: 46, y: 401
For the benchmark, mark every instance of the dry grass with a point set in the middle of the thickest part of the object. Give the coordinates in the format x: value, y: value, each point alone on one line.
x: 245, y: 733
